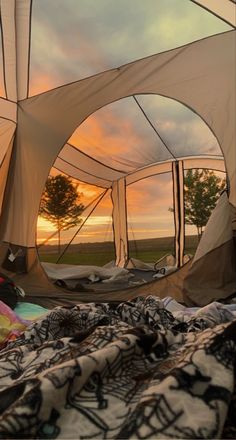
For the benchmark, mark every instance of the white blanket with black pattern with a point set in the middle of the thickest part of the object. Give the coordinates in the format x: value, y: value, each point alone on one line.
x: 132, y: 371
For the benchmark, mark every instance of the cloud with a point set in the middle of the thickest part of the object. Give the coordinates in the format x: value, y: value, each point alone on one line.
x: 150, y: 196
x: 120, y: 136
x: 88, y: 36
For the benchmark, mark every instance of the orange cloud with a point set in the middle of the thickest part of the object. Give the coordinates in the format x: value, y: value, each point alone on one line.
x: 111, y: 137
x: 39, y: 84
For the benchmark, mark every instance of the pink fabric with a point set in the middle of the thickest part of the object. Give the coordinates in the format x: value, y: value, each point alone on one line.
x: 11, y: 325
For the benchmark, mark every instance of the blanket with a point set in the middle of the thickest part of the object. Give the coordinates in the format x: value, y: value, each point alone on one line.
x: 130, y: 371
x: 92, y: 273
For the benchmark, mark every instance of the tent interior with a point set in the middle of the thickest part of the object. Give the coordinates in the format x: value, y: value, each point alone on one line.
x: 125, y: 98
x: 126, y: 120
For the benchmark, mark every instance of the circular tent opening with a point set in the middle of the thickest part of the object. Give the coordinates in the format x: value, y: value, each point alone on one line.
x: 129, y: 160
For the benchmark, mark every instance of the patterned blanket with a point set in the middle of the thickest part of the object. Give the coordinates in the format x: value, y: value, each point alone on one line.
x: 132, y: 371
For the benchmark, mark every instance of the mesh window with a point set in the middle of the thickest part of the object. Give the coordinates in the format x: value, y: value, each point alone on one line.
x: 150, y: 218
x: 183, y: 131
x: 121, y: 129
x: 92, y: 240
x: 142, y: 130
x: 200, y: 203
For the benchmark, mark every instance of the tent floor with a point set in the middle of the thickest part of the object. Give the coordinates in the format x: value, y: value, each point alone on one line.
x: 139, y: 278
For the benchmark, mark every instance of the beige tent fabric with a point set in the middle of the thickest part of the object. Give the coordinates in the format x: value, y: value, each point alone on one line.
x: 15, y: 17
x: 8, y: 110
x: 233, y: 217
x: 9, y: 45
x: 216, y: 164
x: 72, y: 155
x: 213, y: 163
x: 23, y: 14
x: 7, y: 130
x: 119, y: 216
x: 48, y: 295
x: 212, y: 278
x: 4, y: 168
x: 92, y: 172
x: 200, y: 74
x: 212, y: 275
x: 150, y: 170
x: 78, y: 174
x: 218, y: 229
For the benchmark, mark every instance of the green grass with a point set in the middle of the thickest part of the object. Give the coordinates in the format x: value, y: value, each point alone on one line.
x: 100, y: 259
x: 98, y: 254
x: 149, y: 256
x: 75, y: 258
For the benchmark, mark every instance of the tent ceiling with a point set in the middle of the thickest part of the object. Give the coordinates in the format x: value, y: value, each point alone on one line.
x: 211, y: 162
x: 132, y: 134
x: 89, y: 36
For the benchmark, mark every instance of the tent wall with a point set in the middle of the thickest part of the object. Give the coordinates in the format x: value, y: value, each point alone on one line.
x: 212, y: 274
x: 4, y: 169
x: 15, y: 19
x: 206, y: 84
x: 39, y: 290
x: 8, y: 110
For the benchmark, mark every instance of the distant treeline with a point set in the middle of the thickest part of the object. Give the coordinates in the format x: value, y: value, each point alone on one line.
x: 163, y: 243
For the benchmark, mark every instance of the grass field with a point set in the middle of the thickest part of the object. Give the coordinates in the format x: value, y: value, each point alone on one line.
x: 98, y: 254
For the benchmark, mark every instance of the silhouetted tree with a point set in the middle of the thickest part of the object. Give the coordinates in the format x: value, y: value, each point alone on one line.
x: 202, y: 190
x: 60, y: 204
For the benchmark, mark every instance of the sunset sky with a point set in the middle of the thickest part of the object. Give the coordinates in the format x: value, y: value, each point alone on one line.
x: 73, y: 39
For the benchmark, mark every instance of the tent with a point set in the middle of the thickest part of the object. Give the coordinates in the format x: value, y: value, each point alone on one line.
x: 35, y: 132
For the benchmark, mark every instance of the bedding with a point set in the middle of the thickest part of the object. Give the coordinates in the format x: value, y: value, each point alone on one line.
x: 92, y: 273
x: 130, y: 371
x: 29, y: 311
x: 11, y: 325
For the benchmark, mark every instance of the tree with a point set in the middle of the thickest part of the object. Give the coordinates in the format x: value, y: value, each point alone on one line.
x: 59, y: 204
x: 202, y: 190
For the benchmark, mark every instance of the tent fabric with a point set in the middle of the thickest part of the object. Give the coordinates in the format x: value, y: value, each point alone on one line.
x: 15, y: 18
x: 212, y: 277
x: 4, y: 169
x: 97, y: 170
x: 7, y: 130
x: 35, y: 134
x: 120, y: 222
x: 220, y: 222
x: 46, y: 121
x: 213, y: 271
x: 8, y: 110
x: 48, y: 295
